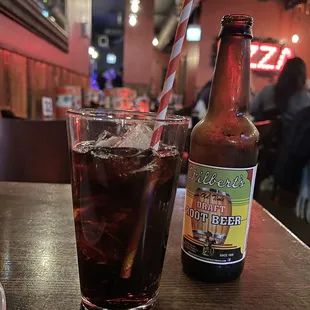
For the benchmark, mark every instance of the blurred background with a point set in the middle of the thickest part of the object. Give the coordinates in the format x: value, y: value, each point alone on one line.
x: 47, y: 45
x: 58, y: 54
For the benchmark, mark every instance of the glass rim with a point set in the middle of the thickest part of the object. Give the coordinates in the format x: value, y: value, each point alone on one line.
x: 102, y: 114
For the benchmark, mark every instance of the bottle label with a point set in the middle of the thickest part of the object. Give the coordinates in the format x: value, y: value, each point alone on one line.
x: 217, y: 213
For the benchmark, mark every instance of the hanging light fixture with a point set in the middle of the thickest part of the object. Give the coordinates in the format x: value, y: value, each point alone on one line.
x: 133, y: 20
x: 155, y: 42
x: 135, y: 6
x: 295, y: 38
x: 133, y: 17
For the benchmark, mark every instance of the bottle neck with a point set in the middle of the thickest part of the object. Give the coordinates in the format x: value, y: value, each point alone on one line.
x: 230, y: 91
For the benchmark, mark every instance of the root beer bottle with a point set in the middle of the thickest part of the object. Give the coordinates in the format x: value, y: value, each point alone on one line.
x: 222, y: 165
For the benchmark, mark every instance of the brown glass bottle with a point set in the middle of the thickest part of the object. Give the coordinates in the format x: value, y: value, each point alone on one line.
x: 226, y: 137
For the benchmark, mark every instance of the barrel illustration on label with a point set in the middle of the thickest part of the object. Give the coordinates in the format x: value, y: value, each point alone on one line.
x: 210, y: 202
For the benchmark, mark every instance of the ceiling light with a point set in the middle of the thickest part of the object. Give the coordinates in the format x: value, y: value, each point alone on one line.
x: 111, y: 59
x: 95, y: 55
x: 155, y: 42
x: 135, y: 7
x: 119, y: 18
x: 193, y: 33
x: 91, y: 50
x: 295, y: 38
x: 132, y: 20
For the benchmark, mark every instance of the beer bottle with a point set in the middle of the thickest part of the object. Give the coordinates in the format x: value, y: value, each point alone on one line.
x: 222, y: 165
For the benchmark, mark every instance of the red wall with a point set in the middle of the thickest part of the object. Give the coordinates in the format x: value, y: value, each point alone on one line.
x: 160, y: 62
x: 187, y: 76
x: 192, y: 62
x: 15, y: 37
x: 270, y: 20
x: 138, y: 48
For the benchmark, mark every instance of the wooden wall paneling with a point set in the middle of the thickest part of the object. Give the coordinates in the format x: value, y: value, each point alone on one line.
x: 45, y: 86
x: 58, y: 82
x: 67, y: 78
x: 50, y: 82
x: 86, y: 82
x: 61, y: 77
x: 82, y: 83
x: 70, y: 78
x: 32, y: 87
x: 75, y: 79
x: 57, y: 77
x: 64, y: 77
x: 2, y: 98
x: 35, y: 87
x: 38, y: 87
x: 24, y: 81
x: 18, y: 85
x: 29, y: 89
x: 6, y: 95
x: 41, y: 83
x: 79, y: 80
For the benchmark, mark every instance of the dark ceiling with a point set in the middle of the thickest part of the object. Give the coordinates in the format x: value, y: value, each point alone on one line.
x: 109, y: 17
x: 110, y: 13
x: 106, y: 13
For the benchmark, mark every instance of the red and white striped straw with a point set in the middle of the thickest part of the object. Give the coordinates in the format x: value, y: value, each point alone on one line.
x: 171, y: 72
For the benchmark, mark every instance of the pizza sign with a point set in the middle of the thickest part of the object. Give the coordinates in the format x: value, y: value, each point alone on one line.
x: 269, y: 57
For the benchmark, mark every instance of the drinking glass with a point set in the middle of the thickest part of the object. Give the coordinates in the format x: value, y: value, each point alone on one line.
x: 123, y: 194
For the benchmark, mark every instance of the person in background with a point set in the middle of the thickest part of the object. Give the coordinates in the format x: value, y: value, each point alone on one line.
x: 202, y: 104
x: 109, y: 76
x: 101, y: 80
x: 118, y: 80
x: 282, y: 103
x: 252, y: 87
x: 285, y: 98
x: 308, y: 86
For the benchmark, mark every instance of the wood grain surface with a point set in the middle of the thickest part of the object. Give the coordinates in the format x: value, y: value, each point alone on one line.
x: 38, y: 265
x: 24, y: 81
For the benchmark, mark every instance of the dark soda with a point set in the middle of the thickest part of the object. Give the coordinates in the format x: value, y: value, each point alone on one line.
x: 116, y: 191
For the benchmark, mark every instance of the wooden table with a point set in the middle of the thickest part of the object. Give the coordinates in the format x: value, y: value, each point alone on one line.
x: 39, y: 267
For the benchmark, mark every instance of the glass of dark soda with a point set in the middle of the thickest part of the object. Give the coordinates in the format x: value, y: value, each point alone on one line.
x: 123, y: 194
